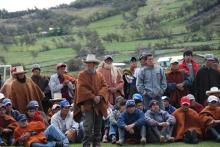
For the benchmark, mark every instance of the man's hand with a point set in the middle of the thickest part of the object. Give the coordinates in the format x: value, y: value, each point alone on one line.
x: 165, y: 124
x: 130, y: 128
x: 97, y: 99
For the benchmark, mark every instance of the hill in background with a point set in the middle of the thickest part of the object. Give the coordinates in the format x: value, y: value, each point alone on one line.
x: 120, y: 27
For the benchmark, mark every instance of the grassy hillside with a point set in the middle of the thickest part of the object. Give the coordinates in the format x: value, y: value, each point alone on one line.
x: 171, y: 25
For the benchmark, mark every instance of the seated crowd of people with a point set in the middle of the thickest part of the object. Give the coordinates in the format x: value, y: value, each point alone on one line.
x: 136, y: 105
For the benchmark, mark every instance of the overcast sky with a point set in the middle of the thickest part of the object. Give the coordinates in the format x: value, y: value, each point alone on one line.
x: 16, y: 5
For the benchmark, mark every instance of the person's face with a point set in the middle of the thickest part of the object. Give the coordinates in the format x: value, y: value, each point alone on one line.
x: 20, y: 76
x: 65, y: 110
x: 215, y: 65
x: 56, y: 110
x: 174, y: 66
x: 185, y: 107
x: 150, y: 61
x: 133, y: 64
x: 166, y: 103
x: 140, y: 106
x: 122, y: 108
x: 188, y: 58
x: 36, y: 72
x: 213, y: 104
x: 8, y: 107
x: 130, y: 110
x: 108, y: 61
x: 61, y: 70
x: 143, y: 61
x: 209, y: 63
x: 90, y: 66
x: 155, y: 108
x: 192, y: 103
x: 2, y: 111
x: 23, y: 124
x: 31, y: 112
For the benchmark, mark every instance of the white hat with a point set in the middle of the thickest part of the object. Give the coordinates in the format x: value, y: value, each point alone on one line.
x: 2, y: 96
x: 57, y: 97
x: 91, y: 59
x: 191, y: 97
x: 164, y: 97
x: 19, y: 70
x: 173, y: 60
x: 213, y: 90
x: 212, y: 98
x: 55, y: 106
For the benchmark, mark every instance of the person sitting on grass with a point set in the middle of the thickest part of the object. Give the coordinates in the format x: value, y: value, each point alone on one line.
x: 210, y: 116
x: 160, y: 123
x: 9, y: 110
x: 138, y: 98
x: 130, y: 124
x: 188, y: 125
x: 113, y: 120
x: 35, y: 134
x: 166, y: 103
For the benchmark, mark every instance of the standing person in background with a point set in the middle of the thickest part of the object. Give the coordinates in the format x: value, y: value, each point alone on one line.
x: 23, y: 89
x: 190, y: 66
x: 92, y: 100
x: 151, y: 81
x: 206, y: 78
x: 112, y: 77
x: 130, y: 79
x: 58, y: 83
x: 42, y: 82
x: 142, y: 64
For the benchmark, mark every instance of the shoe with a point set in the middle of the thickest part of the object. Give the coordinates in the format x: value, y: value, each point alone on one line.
x: 187, y: 137
x: 104, y: 139
x: 120, y: 142
x: 113, y: 139
x: 170, y: 139
x: 162, y: 139
x: 59, y: 144
x: 143, y: 140
x: 195, y: 138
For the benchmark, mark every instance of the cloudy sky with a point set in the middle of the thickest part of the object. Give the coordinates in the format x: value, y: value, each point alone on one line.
x: 16, y: 5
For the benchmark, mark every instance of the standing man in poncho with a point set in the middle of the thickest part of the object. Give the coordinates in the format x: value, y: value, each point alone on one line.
x: 92, y: 99
x: 23, y: 90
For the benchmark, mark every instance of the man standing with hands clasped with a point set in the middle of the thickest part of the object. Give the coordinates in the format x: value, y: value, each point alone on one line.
x: 92, y: 99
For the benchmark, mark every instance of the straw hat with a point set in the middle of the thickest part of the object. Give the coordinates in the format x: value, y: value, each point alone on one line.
x: 213, y: 90
x: 57, y: 97
x: 19, y: 70
x: 91, y: 59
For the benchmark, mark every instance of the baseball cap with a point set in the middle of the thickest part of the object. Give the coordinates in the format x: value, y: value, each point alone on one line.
x: 153, y: 102
x: 108, y: 57
x: 60, y: 65
x: 164, y: 97
x: 130, y: 103
x: 33, y: 104
x: 173, y: 60
x: 212, y: 98
x: 2, y: 96
x: 22, y: 117
x: 185, y: 100
x: 64, y: 103
x: 35, y: 66
x: 191, y: 97
x: 137, y: 97
x: 1, y: 105
x: 55, y: 106
x: 209, y: 57
x: 6, y: 101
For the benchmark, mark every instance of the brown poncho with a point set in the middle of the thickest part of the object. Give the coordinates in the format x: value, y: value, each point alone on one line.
x: 6, y: 88
x: 186, y: 121
x: 22, y: 93
x: 89, y: 86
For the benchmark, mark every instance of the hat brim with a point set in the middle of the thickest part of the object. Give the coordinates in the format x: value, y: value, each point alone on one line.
x: 91, y: 61
x: 21, y: 72
x: 212, y: 92
x: 183, y: 103
x: 54, y: 100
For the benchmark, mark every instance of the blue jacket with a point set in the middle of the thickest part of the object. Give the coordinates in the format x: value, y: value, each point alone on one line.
x: 170, y: 109
x: 136, y: 117
x: 151, y: 81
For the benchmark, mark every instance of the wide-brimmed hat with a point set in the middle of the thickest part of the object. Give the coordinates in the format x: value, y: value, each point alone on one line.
x: 19, y: 70
x: 213, y: 90
x: 57, y: 97
x: 91, y: 59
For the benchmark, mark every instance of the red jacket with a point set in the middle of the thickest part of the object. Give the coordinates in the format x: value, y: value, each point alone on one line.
x: 183, y: 66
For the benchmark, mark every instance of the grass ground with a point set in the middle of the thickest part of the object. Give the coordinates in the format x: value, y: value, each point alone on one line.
x: 179, y: 144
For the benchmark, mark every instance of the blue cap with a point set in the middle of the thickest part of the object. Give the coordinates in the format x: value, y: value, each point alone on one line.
x: 64, y: 103
x: 33, y: 104
x: 137, y: 97
x: 6, y: 101
x: 22, y: 117
x: 130, y: 103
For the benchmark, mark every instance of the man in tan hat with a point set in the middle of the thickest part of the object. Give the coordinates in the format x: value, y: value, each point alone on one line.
x: 92, y: 98
x: 58, y: 83
x: 113, y: 77
x: 23, y: 89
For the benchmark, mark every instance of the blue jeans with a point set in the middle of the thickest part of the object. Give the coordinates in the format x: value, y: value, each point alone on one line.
x: 113, y: 130
x: 49, y: 143
x: 148, y: 99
